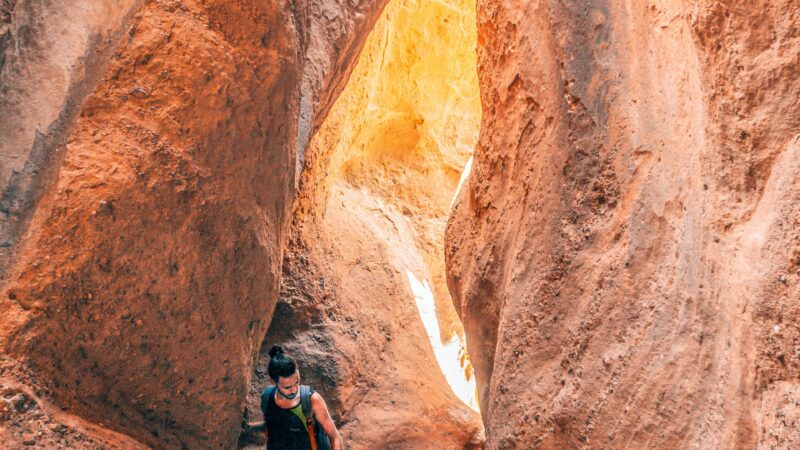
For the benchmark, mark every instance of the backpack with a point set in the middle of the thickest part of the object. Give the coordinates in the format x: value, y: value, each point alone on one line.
x: 319, y: 440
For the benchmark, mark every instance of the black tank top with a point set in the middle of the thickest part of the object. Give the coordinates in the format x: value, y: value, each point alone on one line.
x: 285, y: 431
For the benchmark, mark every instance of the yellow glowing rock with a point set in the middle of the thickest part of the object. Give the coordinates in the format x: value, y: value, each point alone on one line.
x: 404, y: 128
x: 412, y: 105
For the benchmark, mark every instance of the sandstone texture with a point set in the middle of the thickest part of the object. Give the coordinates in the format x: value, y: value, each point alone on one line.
x: 368, y: 236
x: 348, y: 315
x: 149, y: 161
x: 624, y: 254
x: 31, y: 421
x: 51, y: 56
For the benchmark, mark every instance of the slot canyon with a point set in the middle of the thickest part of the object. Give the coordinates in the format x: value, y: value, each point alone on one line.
x: 499, y: 224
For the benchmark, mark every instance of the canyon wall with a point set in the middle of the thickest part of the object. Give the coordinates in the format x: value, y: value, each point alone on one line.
x: 347, y: 314
x: 624, y: 254
x: 149, y: 159
x: 367, y: 238
x: 51, y: 56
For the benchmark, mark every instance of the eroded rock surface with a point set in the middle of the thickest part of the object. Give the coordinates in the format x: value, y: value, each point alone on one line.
x: 348, y: 315
x: 51, y: 56
x: 624, y: 254
x: 368, y: 236
x: 142, y: 264
x: 27, y: 420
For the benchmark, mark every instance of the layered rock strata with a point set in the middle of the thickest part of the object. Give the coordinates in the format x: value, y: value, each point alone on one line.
x: 624, y: 253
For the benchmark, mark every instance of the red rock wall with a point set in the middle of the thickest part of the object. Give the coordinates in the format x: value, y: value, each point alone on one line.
x: 144, y: 263
x: 348, y: 316
x: 369, y: 218
x: 51, y: 56
x: 624, y: 253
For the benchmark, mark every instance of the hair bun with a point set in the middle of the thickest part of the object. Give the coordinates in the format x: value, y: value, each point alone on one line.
x: 275, y: 351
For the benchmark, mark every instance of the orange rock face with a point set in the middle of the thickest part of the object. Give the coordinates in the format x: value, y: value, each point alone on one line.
x: 368, y: 233
x: 348, y: 316
x: 624, y: 253
x: 51, y: 56
x: 141, y: 260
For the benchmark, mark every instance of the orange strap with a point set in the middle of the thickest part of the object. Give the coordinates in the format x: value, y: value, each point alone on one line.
x: 311, y: 436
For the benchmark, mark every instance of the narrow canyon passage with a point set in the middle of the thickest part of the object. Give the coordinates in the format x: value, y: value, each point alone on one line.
x: 613, y: 215
x: 364, y: 304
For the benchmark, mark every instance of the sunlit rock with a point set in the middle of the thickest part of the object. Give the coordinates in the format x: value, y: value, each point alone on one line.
x: 366, y: 247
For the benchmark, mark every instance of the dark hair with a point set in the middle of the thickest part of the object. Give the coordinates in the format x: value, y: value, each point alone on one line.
x: 280, y: 365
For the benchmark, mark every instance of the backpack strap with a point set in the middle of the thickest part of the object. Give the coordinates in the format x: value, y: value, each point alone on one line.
x: 305, y: 400
x: 266, y: 398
